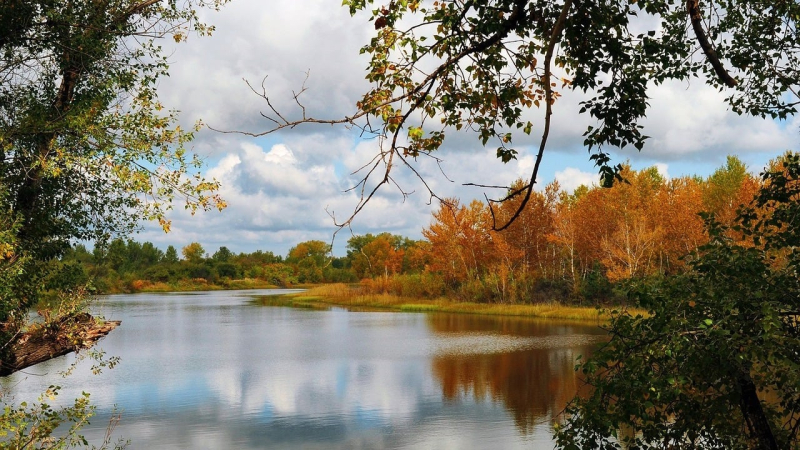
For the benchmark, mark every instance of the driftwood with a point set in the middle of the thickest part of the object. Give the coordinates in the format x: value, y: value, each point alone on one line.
x: 44, y: 342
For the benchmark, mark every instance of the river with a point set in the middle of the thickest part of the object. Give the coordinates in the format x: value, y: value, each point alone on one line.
x: 213, y: 370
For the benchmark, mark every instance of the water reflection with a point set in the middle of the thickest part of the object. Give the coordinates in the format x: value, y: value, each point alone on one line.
x: 534, y: 383
x: 214, y: 371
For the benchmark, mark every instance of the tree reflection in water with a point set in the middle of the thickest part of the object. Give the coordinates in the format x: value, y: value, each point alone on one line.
x: 534, y: 383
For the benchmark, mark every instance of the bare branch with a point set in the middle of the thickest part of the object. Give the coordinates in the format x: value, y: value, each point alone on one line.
x: 528, y: 188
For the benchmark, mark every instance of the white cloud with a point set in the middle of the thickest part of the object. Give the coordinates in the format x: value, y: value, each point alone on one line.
x: 663, y: 170
x: 571, y: 178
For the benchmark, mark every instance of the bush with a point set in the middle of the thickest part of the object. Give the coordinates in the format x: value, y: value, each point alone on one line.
x: 161, y: 272
x: 338, y: 275
x: 476, y: 291
x: 228, y: 270
x: 595, y: 286
x: 547, y: 290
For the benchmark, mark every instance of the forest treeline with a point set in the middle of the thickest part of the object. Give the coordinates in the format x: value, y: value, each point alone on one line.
x: 574, y: 247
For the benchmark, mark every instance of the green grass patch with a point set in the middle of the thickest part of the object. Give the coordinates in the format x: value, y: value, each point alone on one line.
x: 353, y: 297
x: 416, y: 307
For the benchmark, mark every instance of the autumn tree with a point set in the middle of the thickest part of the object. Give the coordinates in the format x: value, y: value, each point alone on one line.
x: 529, y: 232
x: 309, y: 258
x: 630, y: 250
x: 563, y: 236
x: 677, y: 211
x: 194, y: 253
x: 589, y: 211
x: 372, y: 255
x: 315, y: 250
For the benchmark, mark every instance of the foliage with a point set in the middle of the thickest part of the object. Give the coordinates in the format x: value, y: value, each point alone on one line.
x: 86, y: 151
x: 194, y: 252
x: 34, y: 425
x: 715, y: 365
x: 222, y: 255
x: 437, y: 67
x: 580, y: 247
x: 380, y: 255
x: 171, y: 255
x: 86, y: 148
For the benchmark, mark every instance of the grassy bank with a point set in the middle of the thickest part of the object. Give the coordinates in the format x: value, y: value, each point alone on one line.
x: 343, y: 295
x: 189, y: 285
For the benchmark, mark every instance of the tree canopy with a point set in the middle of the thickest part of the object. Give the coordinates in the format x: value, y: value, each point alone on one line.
x: 441, y: 66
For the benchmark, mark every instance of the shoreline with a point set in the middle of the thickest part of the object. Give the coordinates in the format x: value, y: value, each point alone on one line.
x: 326, y: 296
x: 322, y: 296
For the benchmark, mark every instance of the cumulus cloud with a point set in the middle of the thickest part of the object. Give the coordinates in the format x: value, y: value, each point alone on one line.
x: 279, y: 186
x: 692, y: 120
x: 571, y: 178
x: 280, y: 196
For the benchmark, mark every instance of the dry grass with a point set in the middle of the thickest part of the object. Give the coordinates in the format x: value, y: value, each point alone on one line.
x: 196, y: 285
x: 344, y: 295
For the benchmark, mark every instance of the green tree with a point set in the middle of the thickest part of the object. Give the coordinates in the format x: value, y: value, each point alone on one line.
x: 715, y: 364
x: 86, y: 148
x: 151, y: 255
x: 721, y: 195
x: 222, y: 255
x: 116, y: 255
x: 171, y: 255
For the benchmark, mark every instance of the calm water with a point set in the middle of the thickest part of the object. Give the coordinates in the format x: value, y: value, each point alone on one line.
x: 214, y: 371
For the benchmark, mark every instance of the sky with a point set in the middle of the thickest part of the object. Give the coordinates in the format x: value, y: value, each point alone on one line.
x: 282, y: 188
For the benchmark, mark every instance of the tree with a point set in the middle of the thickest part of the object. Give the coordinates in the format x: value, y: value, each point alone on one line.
x: 460, y: 241
x: 316, y: 250
x: 171, y: 255
x: 194, y: 253
x: 676, y: 210
x: 86, y: 148
x: 372, y: 255
x: 630, y: 249
x: 222, y: 255
x: 715, y: 364
x: 478, y: 65
x: 727, y: 188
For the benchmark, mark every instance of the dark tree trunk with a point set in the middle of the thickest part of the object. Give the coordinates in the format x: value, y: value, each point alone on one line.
x: 758, y: 426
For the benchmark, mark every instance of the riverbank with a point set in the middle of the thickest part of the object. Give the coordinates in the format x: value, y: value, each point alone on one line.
x: 187, y: 285
x: 343, y: 295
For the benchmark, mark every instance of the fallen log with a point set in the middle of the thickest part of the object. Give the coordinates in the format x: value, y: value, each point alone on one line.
x: 47, y: 341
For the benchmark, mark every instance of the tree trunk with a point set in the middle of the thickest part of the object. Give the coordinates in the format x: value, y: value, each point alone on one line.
x: 758, y: 427
x: 46, y: 342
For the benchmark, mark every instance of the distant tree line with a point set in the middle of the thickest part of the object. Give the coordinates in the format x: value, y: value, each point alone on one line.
x: 576, y: 247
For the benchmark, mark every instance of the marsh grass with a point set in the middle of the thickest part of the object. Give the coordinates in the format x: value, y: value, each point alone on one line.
x: 352, y: 296
x: 198, y: 284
